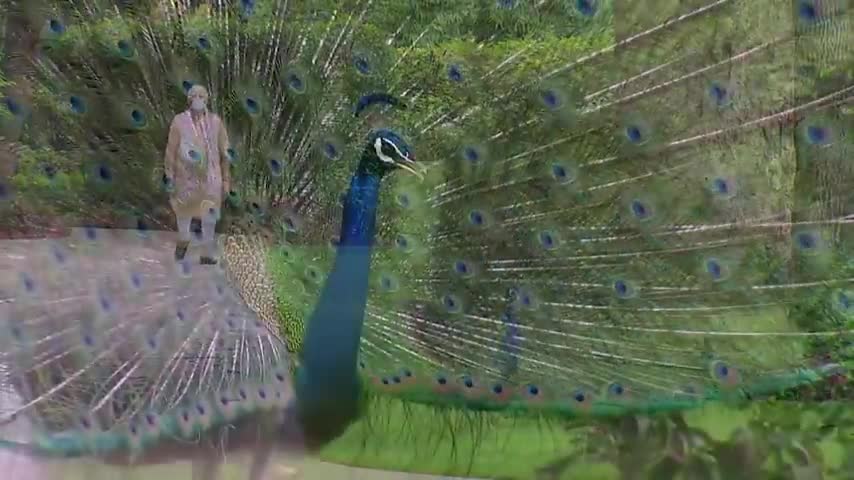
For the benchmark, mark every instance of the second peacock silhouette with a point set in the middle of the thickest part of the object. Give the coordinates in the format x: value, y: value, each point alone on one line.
x: 627, y: 215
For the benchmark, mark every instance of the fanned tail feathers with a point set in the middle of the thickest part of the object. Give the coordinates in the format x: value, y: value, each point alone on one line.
x: 640, y: 217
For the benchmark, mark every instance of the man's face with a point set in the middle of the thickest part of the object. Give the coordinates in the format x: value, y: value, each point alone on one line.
x: 200, y: 96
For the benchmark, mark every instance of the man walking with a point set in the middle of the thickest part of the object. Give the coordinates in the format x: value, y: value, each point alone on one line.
x: 197, y: 167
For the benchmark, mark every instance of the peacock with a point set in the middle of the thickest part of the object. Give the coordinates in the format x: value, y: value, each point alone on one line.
x: 549, y: 209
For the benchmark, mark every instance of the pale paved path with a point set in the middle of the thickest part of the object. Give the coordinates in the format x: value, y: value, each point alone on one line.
x: 20, y: 467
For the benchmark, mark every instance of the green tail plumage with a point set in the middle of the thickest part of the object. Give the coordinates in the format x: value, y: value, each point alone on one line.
x: 619, y: 208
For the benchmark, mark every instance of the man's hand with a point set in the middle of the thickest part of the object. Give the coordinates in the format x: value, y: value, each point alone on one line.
x: 167, y: 182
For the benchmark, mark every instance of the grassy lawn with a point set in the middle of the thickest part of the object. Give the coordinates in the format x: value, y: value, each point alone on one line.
x: 513, y: 448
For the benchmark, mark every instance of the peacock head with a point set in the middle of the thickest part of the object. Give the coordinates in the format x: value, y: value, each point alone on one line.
x: 385, y: 152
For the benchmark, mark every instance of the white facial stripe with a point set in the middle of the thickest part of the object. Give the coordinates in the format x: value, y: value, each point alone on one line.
x: 405, y: 157
x: 378, y: 147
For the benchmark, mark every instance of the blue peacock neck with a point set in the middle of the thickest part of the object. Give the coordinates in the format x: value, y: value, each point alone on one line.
x: 327, y: 383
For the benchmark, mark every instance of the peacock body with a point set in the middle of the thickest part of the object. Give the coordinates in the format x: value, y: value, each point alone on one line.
x: 618, y: 208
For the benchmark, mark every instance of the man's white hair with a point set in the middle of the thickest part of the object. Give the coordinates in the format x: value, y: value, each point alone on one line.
x: 197, y: 89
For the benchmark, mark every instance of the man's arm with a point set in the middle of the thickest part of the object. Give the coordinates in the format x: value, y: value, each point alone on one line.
x: 224, y: 161
x: 170, y: 155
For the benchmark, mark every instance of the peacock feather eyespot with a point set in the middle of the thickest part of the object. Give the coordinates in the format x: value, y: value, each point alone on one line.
x: 562, y: 173
x: 276, y: 167
x: 807, y: 242
x: 616, y: 390
x: 403, y: 200
x: 722, y: 187
x: 313, y: 274
x: 187, y: 85
x: 463, y: 268
x: 524, y: 298
x: 723, y: 373
x: 403, y: 242
x: 818, y: 135
x: 56, y: 26
x: 634, y: 134
x: 59, y: 253
x: 552, y: 99
x: 49, y: 172
x: 623, y: 289
x: 90, y: 232
x: 103, y: 173
x: 247, y: 7
x: 388, y: 283
x: 362, y: 64
x: 715, y: 269
x: 77, y: 105
x: 105, y: 303
x: 455, y: 73
x: 472, y: 154
x: 477, y: 218
x: 231, y: 153
x: 125, y: 48
x: 27, y: 282
x: 452, y: 303
x: 581, y: 399
x: 844, y: 302
x: 506, y: 4
x: 295, y: 82
x: 16, y: 333
x: 719, y: 94
x: 640, y: 209
x: 808, y: 11
x: 331, y: 150
x: 587, y: 8
x: 151, y: 419
x: 467, y: 382
x: 252, y: 106
x: 202, y: 43
x: 138, y: 118
x: 548, y: 240
x: 532, y: 392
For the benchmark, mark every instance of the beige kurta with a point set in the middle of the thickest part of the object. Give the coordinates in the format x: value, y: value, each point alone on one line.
x: 194, y: 162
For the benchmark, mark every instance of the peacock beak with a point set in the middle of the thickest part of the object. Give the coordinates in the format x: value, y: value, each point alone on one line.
x: 408, y: 164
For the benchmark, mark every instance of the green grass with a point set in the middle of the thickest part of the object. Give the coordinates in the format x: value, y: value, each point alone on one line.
x: 514, y: 448
x: 417, y: 439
